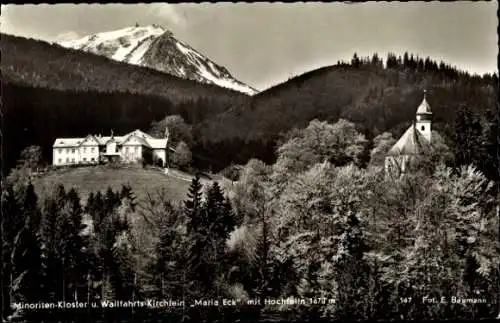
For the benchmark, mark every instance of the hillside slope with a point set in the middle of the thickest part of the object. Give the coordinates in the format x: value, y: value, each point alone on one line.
x: 49, y: 91
x: 175, y: 184
x: 377, y: 99
x: 157, y: 48
x: 40, y: 64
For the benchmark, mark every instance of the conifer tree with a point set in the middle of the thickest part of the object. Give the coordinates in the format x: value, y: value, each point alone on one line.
x: 53, y: 228
x: 127, y: 193
x: 201, y: 247
x: 96, y: 210
x: 467, y: 136
x: 75, y: 246
x: 12, y: 223
x: 197, y: 231
x: 221, y: 222
x: 26, y: 258
x: 193, y: 205
x: 168, y: 267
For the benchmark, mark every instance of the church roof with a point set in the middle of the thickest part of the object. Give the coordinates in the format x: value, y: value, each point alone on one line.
x: 412, y: 142
x: 424, y: 107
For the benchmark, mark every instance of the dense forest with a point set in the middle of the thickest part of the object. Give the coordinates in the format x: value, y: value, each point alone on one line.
x: 43, y: 101
x: 42, y: 65
x: 321, y: 227
x: 378, y: 97
x: 36, y: 116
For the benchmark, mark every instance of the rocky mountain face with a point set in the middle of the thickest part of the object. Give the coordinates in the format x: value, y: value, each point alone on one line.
x: 157, y: 48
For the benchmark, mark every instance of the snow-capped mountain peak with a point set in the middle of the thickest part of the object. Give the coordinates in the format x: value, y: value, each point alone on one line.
x: 155, y: 47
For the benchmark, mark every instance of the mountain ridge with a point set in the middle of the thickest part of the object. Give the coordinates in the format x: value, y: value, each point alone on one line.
x: 155, y: 47
x: 41, y: 64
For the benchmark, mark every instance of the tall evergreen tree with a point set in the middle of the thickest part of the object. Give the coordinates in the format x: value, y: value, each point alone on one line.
x: 467, y: 137
x: 168, y: 270
x: 27, y: 264
x: 75, y: 246
x: 12, y: 224
x: 53, y: 230
x: 193, y: 205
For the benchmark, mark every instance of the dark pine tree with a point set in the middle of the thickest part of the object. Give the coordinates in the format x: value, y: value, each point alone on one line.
x: 353, y: 271
x: 355, y: 61
x: 127, y: 193
x: 221, y: 222
x: 193, y: 205
x: 52, y: 233
x: 467, y: 137
x: 75, y: 246
x: 198, y: 241
x: 168, y: 268
x: 27, y: 262
x: 12, y: 223
x: 262, y: 264
x: 406, y: 60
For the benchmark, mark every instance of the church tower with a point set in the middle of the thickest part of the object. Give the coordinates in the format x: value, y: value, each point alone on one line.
x: 424, y: 119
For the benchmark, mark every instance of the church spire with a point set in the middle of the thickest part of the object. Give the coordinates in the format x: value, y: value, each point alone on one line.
x: 424, y: 107
x: 424, y: 118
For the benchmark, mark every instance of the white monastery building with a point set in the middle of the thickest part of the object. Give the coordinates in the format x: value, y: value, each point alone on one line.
x: 134, y: 147
x: 416, y: 141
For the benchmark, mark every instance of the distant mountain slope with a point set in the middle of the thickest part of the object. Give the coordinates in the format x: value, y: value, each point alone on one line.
x: 377, y: 99
x: 40, y: 64
x: 157, y: 48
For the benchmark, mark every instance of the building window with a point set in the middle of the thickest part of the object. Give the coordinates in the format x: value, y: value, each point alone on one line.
x: 136, y: 149
x: 73, y: 150
x: 60, y: 161
x: 423, y: 128
x: 73, y: 160
x: 60, y: 150
x: 67, y: 150
x: 93, y: 159
x: 67, y: 160
x: 84, y: 159
x: 126, y: 149
x: 84, y: 149
x: 92, y: 150
x: 116, y: 149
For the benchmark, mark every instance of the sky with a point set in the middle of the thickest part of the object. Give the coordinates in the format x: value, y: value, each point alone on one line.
x: 263, y: 44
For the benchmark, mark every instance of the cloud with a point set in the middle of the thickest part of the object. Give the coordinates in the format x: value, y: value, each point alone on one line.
x: 70, y: 35
x: 169, y: 12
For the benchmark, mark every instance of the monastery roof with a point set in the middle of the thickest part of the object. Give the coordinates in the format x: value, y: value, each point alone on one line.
x: 158, y: 143
x: 140, y: 139
x: 141, y: 136
x: 105, y: 139
x: 412, y: 142
x: 67, y: 142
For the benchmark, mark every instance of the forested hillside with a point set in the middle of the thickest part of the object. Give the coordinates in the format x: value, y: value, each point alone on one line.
x: 327, y: 238
x: 68, y: 93
x: 49, y: 91
x: 378, y: 97
x: 40, y: 64
x: 36, y: 116
x: 321, y: 222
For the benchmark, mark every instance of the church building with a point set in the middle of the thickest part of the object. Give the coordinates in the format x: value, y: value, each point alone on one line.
x: 415, y: 142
